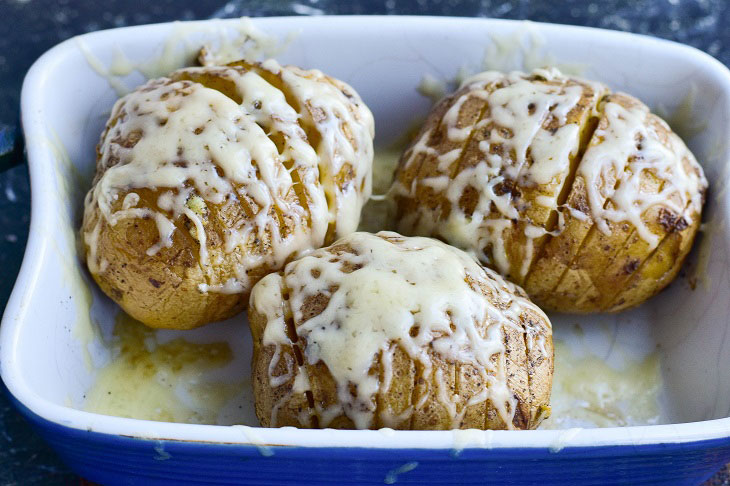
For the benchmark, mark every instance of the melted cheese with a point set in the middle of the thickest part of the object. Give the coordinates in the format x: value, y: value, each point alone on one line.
x: 531, y: 153
x: 416, y: 293
x: 199, y: 147
x: 630, y: 144
x: 530, y: 142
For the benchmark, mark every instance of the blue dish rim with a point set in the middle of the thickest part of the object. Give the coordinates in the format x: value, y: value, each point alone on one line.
x: 110, y: 458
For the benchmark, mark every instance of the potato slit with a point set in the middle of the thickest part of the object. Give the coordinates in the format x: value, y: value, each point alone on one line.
x: 312, y: 135
x: 516, y: 224
x: 581, y: 246
x: 224, y: 89
x: 417, y: 375
x: 274, y: 81
x: 291, y: 333
x: 485, y: 412
x: 456, y: 165
x: 620, y: 250
x: 401, y: 174
x: 224, y: 86
x: 299, y: 189
x: 277, y: 138
x: 593, y: 226
x: 635, y: 246
x: 379, y: 396
x: 457, y: 390
x: 525, y: 338
x: 508, y: 372
x: 586, y: 135
x: 228, y: 89
x: 323, y: 391
x: 667, y: 235
x: 289, y: 164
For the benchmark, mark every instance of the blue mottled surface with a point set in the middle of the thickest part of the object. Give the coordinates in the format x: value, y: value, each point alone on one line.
x: 29, y: 27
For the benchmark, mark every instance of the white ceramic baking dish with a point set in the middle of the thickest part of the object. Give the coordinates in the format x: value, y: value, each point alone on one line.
x: 50, y: 343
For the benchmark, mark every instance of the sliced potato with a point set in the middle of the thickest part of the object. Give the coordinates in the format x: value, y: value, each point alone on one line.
x: 561, y: 186
x: 211, y: 178
x: 406, y: 333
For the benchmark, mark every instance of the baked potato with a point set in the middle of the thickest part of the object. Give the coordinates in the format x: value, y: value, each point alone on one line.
x: 580, y: 195
x: 214, y: 176
x: 402, y: 332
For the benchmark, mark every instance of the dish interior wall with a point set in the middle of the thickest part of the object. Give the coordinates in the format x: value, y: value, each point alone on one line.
x: 60, y: 356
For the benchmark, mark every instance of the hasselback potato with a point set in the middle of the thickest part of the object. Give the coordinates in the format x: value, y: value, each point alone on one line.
x: 214, y: 176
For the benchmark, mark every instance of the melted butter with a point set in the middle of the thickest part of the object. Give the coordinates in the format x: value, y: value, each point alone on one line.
x: 173, y: 381
x: 564, y: 439
x: 121, y: 65
x: 589, y: 393
x: 254, y: 438
x: 98, y: 67
x: 248, y: 42
x: 410, y: 292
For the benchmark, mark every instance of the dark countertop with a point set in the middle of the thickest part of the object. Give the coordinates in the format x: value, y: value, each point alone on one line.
x: 30, y: 27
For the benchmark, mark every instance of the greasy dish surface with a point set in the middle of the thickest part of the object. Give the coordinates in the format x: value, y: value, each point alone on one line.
x: 390, y: 331
x: 214, y: 176
x: 582, y: 196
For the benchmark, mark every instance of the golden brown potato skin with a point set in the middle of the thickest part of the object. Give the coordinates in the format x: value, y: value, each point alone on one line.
x: 528, y: 368
x: 160, y: 290
x: 163, y: 289
x: 571, y: 265
x: 585, y: 270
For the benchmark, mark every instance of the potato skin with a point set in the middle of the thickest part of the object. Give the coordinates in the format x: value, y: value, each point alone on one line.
x: 194, y: 279
x: 413, y: 400
x: 575, y: 245
x: 160, y: 290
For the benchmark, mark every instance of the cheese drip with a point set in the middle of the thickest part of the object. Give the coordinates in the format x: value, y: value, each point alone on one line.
x: 491, y: 168
x: 290, y: 149
x: 385, y: 291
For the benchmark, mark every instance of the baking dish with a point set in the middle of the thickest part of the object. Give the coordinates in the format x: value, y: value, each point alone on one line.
x: 53, y: 324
